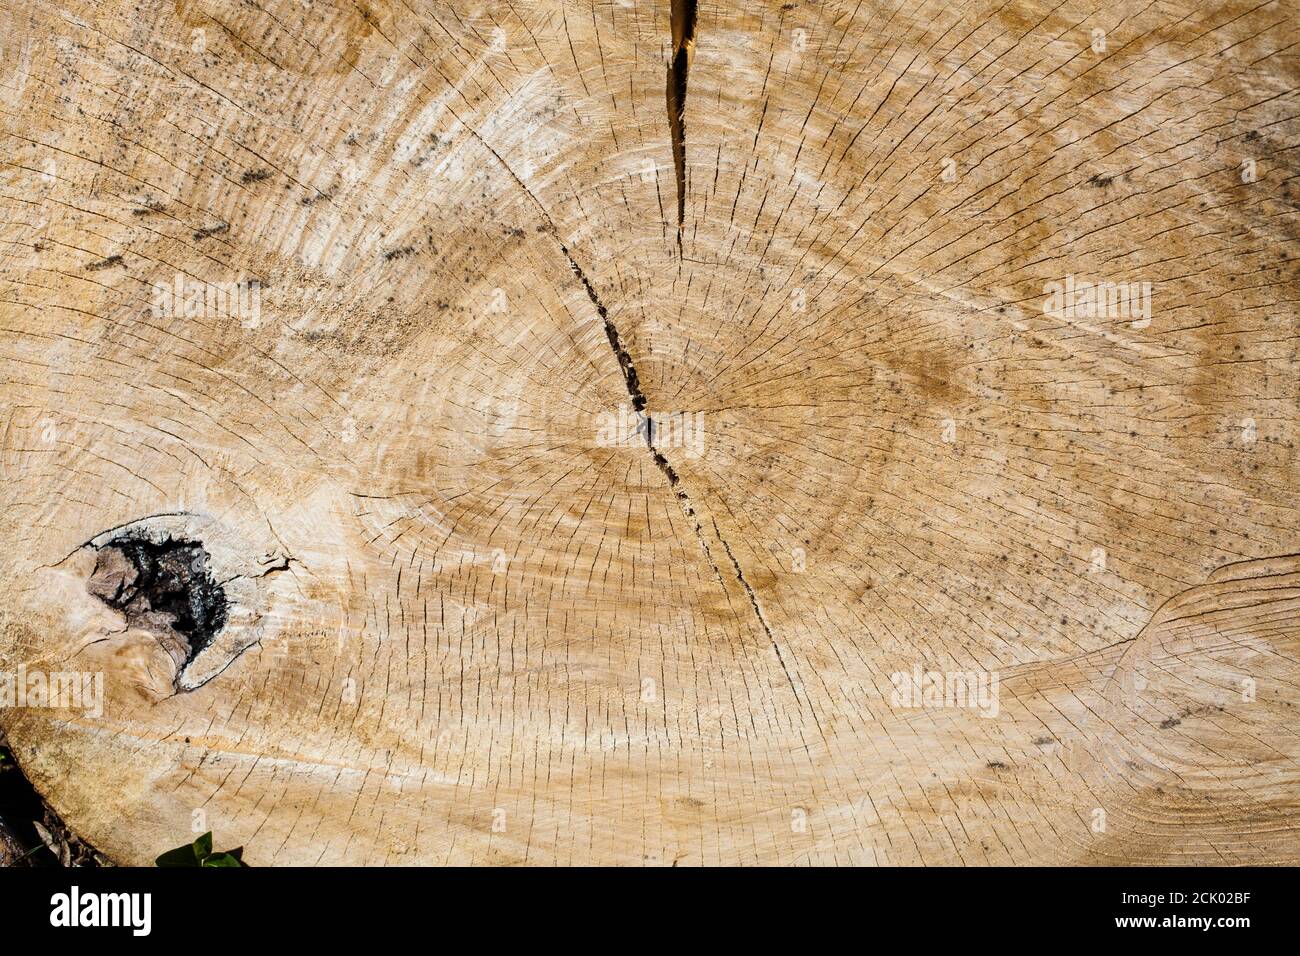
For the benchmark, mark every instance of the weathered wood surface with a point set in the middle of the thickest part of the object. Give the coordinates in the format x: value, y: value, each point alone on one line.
x: 463, y: 624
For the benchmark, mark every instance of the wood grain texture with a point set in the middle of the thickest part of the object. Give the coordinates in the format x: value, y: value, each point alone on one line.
x: 467, y: 625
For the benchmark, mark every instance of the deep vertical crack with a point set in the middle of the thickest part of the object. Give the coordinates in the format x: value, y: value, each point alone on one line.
x: 684, y: 16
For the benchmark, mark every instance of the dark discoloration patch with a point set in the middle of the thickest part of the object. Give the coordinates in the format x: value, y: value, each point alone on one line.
x: 108, y: 263
x: 401, y: 253
x: 254, y: 176
x: 436, y: 143
x: 931, y: 371
x: 165, y: 588
x: 212, y: 231
x: 1170, y: 722
x: 357, y: 32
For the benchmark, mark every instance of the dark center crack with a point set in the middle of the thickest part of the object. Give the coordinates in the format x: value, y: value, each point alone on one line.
x: 639, y: 402
x: 665, y: 466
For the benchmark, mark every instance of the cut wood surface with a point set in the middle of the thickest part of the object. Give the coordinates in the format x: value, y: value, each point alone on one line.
x: 834, y: 432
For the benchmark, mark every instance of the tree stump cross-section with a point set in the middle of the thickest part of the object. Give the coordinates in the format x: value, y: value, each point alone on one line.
x: 653, y: 433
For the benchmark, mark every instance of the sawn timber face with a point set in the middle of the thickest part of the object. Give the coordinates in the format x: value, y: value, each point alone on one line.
x: 584, y: 499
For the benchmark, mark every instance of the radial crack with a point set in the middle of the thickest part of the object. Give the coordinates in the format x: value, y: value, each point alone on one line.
x: 758, y: 611
x: 638, y: 397
x: 664, y: 465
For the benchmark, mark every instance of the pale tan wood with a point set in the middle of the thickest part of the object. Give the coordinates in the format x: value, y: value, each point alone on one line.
x: 466, y: 629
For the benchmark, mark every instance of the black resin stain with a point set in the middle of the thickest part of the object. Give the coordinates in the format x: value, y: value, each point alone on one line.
x: 162, y: 587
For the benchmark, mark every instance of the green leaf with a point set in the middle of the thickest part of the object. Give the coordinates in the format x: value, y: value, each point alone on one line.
x: 181, y: 856
x: 200, y: 853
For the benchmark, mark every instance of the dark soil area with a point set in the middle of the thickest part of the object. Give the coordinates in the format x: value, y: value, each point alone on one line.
x: 23, y: 815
